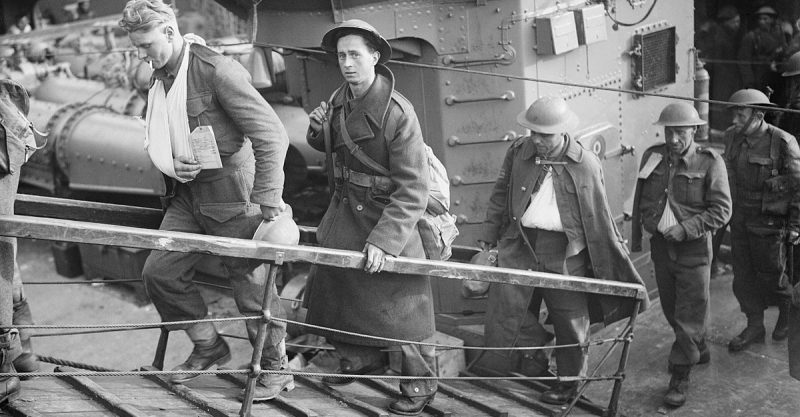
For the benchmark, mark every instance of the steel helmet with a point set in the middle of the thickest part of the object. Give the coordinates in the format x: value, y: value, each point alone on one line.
x: 6, y: 51
x: 749, y: 96
x: 679, y: 114
x: 359, y: 26
x: 37, y: 51
x: 792, y: 66
x: 282, y: 230
x: 548, y: 115
x: 767, y: 10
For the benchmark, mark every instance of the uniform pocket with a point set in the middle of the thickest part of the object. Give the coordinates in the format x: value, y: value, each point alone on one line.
x: 377, y: 198
x: 222, y: 212
x: 762, y: 167
x: 689, y: 186
x: 232, y: 188
x: 197, y: 109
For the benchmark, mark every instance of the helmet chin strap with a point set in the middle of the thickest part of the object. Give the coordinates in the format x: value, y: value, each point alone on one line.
x: 746, y: 127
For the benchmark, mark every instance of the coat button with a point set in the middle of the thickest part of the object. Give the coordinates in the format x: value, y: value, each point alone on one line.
x: 523, y: 188
x: 514, y: 218
x: 344, y: 200
x: 416, y: 389
x: 359, y: 207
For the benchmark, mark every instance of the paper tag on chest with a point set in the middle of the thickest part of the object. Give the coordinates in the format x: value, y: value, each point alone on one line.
x: 650, y: 165
x: 204, y: 147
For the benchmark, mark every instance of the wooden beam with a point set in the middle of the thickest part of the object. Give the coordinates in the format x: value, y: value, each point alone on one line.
x: 100, y: 394
x: 121, y: 215
x: 288, y: 404
x: 83, y: 232
x: 87, y: 211
x: 212, y: 406
x: 468, y: 399
x: 352, y: 402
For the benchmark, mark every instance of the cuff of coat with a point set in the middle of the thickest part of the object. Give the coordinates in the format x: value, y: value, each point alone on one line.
x: 316, y: 140
x: 385, y: 243
x: 270, y: 197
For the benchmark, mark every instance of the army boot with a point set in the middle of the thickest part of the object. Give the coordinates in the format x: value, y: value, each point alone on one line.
x: 209, y: 350
x: 753, y: 333
x: 9, y: 350
x: 678, y: 386
x: 25, y: 362
x: 781, y: 331
x: 534, y: 363
x: 269, y: 386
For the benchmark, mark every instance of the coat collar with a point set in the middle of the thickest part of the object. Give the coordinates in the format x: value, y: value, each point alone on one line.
x: 573, y: 151
x: 367, y: 112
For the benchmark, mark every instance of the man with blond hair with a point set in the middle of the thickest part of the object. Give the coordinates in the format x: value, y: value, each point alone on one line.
x: 194, y: 87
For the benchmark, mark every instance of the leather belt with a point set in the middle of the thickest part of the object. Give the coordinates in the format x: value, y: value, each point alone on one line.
x: 361, y: 179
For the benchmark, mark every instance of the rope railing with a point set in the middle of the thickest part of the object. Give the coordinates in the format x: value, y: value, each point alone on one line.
x: 310, y: 375
x: 275, y: 255
x: 143, y: 326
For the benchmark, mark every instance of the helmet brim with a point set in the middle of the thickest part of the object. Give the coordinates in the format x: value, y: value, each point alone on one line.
x: 332, y: 37
x: 570, y: 123
x: 696, y: 122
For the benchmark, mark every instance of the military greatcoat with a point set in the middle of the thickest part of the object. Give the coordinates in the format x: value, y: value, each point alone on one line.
x: 579, y: 180
x: 384, y: 304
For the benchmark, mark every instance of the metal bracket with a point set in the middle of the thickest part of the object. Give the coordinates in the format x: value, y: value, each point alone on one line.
x: 506, y: 96
x: 508, y: 136
x: 336, y: 8
x: 505, y: 58
x: 279, y: 257
x: 457, y: 180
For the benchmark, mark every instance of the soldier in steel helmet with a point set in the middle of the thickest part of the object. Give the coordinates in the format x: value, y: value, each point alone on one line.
x: 682, y: 197
x: 761, y: 50
x: 548, y: 212
x: 195, y: 89
x: 791, y: 73
x: 763, y: 164
x: 718, y: 41
x: 374, y: 213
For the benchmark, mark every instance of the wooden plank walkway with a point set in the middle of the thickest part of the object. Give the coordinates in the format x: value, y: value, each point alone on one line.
x: 210, y: 395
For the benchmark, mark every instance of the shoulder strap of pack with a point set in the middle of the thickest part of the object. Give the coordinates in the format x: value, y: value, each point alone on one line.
x: 775, y: 150
x: 356, y: 150
x: 328, y: 140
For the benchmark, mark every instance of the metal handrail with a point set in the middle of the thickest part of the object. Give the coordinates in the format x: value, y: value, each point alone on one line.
x: 275, y: 255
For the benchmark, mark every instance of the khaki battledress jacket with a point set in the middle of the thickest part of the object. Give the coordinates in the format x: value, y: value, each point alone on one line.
x: 585, y: 215
x: 384, y: 304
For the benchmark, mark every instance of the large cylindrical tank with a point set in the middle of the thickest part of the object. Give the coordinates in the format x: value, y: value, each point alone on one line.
x: 90, y: 148
x: 102, y: 151
x: 76, y: 90
x: 701, y: 85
